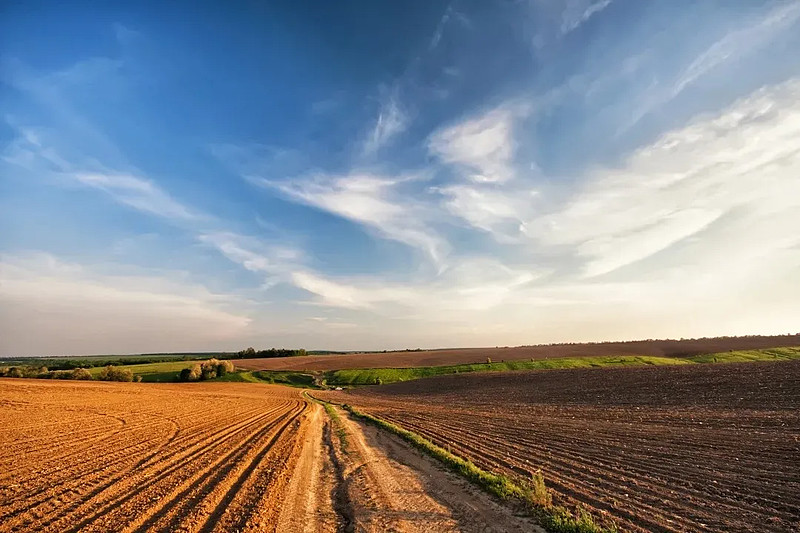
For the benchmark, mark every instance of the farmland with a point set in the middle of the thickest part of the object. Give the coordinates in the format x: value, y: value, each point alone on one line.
x: 205, y: 457
x: 701, y: 448
x: 144, y: 457
x: 459, y: 356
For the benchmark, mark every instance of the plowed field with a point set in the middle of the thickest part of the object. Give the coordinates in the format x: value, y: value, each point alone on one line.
x: 456, y: 356
x: 137, y: 457
x: 696, y: 448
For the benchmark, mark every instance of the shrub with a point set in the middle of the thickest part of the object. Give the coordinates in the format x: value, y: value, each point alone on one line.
x: 190, y: 374
x: 224, y: 367
x: 15, y: 372
x: 210, y: 369
x: 80, y: 373
x: 111, y: 373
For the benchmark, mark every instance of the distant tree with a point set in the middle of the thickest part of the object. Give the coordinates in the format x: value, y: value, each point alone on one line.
x: 247, y: 353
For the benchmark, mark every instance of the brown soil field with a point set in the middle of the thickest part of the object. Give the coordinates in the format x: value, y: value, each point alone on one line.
x: 661, y: 348
x: 78, y: 456
x: 205, y: 457
x: 697, y: 448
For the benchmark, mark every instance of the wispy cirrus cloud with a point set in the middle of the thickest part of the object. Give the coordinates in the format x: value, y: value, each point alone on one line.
x: 392, y: 120
x: 139, y: 193
x: 474, y: 285
x: 749, y: 38
x: 738, y: 163
x: 373, y: 201
x: 577, y: 12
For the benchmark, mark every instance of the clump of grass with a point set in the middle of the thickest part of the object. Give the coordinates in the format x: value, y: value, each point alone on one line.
x: 534, y: 493
x: 341, y: 433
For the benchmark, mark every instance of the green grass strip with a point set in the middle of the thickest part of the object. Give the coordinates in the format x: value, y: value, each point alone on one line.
x: 379, y: 376
x: 747, y: 356
x: 533, y: 494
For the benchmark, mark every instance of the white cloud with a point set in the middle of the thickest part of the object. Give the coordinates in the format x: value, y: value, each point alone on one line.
x: 703, y: 221
x: 578, y: 12
x: 736, y: 43
x: 392, y: 120
x: 54, y: 307
x: 476, y: 284
x: 500, y: 211
x: 734, y: 46
x: 743, y: 162
x: 482, y: 147
x: 139, y: 193
x: 34, y: 151
x: 274, y: 261
x: 372, y: 200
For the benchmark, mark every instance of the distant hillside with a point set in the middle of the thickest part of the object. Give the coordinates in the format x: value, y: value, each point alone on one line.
x: 661, y: 348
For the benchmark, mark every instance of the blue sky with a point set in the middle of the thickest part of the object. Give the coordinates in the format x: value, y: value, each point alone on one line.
x: 371, y: 175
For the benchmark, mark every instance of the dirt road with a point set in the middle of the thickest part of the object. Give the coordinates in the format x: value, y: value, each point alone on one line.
x: 131, y: 457
x: 391, y: 487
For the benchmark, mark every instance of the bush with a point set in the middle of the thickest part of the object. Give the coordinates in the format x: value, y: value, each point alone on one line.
x: 80, y: 373
x: 15, y: 372
x: 190, y: 374
x: 111, y: 373
x: 213, y: 368
x: 208, y: 370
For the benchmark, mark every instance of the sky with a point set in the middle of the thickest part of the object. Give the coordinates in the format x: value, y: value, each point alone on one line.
x: 361, y: 175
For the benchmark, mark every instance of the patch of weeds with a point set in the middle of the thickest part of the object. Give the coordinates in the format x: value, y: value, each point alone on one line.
x: 336, y: 420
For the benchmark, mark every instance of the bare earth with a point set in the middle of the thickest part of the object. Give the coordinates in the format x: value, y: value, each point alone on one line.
x: 700, y: 448
x: 455, y: 356
x: 87, y: 456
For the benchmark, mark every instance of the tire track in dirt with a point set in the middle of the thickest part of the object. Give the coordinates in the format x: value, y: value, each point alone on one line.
x: 391, y: 487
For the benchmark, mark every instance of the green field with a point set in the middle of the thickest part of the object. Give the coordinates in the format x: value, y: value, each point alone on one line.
x: 372, y: 376
x: 746, y: 356
x: 152, y: 372
x: 293, y: 379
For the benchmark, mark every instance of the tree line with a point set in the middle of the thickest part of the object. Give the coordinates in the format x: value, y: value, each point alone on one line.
x: 252, y: 353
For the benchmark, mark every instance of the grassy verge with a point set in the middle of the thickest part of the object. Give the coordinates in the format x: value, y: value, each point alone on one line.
x: 336, y: 420
x: 338, y: 425
x: 746, y: 356
x: 533, y: 493
x: 373, y: 376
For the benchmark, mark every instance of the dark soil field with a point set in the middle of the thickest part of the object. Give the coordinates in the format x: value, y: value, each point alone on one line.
x: 666, y: 449
x: 661, y: 348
